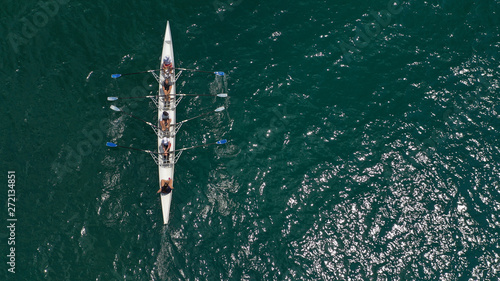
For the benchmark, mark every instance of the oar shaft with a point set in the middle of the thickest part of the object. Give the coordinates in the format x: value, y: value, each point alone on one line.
x: 220, y: 73
x: 219, y: 109
x: 134, y: 148
x: 195, y: 70
x: 196, y: 146
x: 138, y: 97
x: 120, y: 75
x: 183, y: 121
x: 177, y: 150
x: 133, y: 116
x: 124, y: 98
x: 124, y: 74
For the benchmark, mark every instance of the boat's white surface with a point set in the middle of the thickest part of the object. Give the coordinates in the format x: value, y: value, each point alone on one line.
x: 167, y: 171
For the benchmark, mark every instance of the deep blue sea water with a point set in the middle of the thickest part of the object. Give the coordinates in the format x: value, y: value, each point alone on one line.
x: 363, y: 141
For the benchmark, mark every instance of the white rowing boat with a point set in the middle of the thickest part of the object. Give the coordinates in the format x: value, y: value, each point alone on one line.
x: 166, y: 164
x: 166, y: 170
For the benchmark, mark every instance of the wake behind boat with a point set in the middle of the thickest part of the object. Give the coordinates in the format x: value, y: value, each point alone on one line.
x: 167, y: 155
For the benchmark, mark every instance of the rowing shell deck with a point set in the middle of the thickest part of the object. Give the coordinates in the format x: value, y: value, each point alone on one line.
x: 166, y: 170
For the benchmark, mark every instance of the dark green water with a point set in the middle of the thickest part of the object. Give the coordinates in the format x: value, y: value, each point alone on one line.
x: 362, y: 147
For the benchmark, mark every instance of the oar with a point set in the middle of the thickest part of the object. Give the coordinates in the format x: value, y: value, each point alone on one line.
x: 120, y: 75
x: 222, y: 95
x: 110, y: 144
x: 218, y: 109
x: 220, y: 73
x: 219, y: 142
x: 119, y: 110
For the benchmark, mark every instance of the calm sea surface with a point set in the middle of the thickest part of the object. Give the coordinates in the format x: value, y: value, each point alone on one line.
x: 363, y: 141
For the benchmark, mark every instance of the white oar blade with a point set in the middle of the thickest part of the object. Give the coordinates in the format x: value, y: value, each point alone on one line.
x: 223, y: 95
x: 114, y: 108
x: 219, y: 109
x: 112, y: 98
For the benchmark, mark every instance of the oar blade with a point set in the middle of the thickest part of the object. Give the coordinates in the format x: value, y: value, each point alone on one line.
x: 220, y: 73
x: 115, y: 75
x: 115, y: 108
x: 221, y: 141
x: 222, y: 95
x: 112, y: 98
x: 219, y: 109
x: 110, y: 144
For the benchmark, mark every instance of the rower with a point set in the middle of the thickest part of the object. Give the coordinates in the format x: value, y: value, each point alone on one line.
x: 167, y: 87
x: 166, y: 186
x: 165, y: 121
x: 167, y: 67
x: 165, y: 145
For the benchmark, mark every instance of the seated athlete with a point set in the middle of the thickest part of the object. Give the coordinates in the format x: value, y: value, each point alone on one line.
x: 166, y: 186
x: 167, y: 67
x: 165, y: 144
x: 165, y: 121
x: 167, y: 87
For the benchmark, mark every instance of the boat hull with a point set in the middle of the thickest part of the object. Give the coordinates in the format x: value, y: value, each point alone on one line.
x: 166, y: 171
